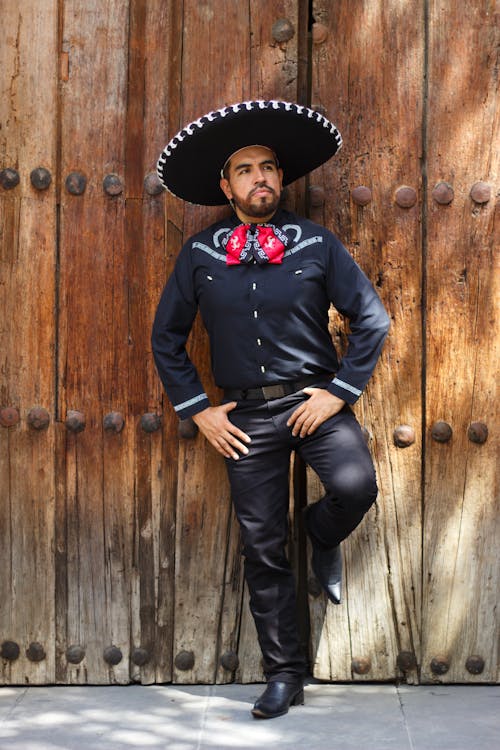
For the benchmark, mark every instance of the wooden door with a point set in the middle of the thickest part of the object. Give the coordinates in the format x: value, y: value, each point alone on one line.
x: 119, y: 551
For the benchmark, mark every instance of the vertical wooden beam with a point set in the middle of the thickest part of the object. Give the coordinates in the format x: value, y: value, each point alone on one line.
x: 367, y: 75
x: 27, y: 276
x: 151, y: 245
x: 93, y: 343
x: 461, y: 584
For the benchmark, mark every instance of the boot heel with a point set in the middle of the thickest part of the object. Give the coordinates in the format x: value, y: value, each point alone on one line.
x: 299, y: 699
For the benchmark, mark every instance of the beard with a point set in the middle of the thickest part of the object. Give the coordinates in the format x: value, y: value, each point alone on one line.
x: 258, y: 207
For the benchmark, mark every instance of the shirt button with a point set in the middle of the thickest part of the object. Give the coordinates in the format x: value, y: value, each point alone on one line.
x: 259, y: 342
x: 255, y: 314
x: 254, y: 286
x: 262, y: 368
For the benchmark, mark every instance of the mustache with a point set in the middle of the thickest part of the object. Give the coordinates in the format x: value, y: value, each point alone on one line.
x: 262, y: 186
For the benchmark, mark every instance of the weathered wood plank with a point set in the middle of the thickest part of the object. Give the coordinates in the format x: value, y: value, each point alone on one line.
x: 94, y: 336
x: 151, y: 246
x: 27, y: 273
x: 378, y: 109
x: 461, y: 528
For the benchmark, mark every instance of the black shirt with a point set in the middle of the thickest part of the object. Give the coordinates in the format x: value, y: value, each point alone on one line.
x: 267, y: 323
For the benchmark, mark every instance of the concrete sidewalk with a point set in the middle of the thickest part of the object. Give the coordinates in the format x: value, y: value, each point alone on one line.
x: 339, y: 717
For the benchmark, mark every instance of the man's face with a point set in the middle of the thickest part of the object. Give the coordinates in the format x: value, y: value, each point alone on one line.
x: 253, y: 183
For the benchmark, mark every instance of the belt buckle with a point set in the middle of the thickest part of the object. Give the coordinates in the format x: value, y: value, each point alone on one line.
x: 273, y: 391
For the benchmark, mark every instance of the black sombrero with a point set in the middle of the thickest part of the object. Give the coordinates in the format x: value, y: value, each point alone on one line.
x: 301, y: 138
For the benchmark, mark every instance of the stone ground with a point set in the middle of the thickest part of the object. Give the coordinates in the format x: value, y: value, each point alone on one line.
x: 217, y: 717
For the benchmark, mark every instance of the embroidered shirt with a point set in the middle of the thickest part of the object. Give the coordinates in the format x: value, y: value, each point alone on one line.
x: 267, y: 323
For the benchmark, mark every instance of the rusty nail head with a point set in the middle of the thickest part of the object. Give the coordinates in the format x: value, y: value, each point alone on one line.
x: 112, y: 655
x: 9, y: 416
x: 10, y: 650
x: 112, y: 184
x: 40, y: 178
x: 35, y: 652
x: 475, y: 664
x: 282, y: 30
x: 440, y: 665
x: 316, y: 196
x: 151, y: 422
x: 443, y: 193
x: 76, y: 182
x: 230, y: 661
x: 361, y: 665
x: 404, y: 435
x: 406, y: 197
x: 184, y: 660
x: 75, y: 421
x: 441, y: 432
x: 9, y: 178
x: 406, y: 660
x: 480, y: 192
x: 38, y: 418
x: 75, y: 654
x: 152, y: 184
x: 478, y: 432
x: 319, y: 33
x: 187, y: 429
x: 140, y: 656
x: 361, y: 195
x: 113, y: 422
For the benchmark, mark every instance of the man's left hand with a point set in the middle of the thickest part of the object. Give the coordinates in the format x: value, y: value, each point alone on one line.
x: 320, y: 406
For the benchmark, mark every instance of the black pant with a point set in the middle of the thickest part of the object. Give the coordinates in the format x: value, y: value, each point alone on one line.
x: 259, y: 482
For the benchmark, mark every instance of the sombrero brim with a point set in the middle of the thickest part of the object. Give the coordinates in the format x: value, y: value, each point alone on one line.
x: 190, y: 164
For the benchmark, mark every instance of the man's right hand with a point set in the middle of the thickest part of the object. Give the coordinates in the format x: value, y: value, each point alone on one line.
x: 220, y: 432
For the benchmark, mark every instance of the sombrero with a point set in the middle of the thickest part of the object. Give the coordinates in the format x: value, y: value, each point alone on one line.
x: 301, y: 138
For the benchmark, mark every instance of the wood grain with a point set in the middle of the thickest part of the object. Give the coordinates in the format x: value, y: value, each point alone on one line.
x: 94, y: 339
x: 461, y: 520
x: 378, y: 109
x: 27, y: 340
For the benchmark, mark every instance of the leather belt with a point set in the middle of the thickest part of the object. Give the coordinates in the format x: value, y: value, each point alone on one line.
x: 268, y: 392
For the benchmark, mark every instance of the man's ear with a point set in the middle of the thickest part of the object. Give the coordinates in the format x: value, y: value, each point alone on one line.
x: 226, y: 188
x: 280, y: 172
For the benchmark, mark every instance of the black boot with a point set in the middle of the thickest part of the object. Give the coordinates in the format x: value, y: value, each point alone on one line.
x: 327, y: 567
x: 326, y: 564
x: 277, y: 699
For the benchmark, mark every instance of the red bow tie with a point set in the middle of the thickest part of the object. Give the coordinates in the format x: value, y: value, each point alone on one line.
x: 255, y: 242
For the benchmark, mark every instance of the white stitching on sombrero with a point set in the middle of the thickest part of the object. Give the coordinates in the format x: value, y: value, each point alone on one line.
x: 298, y: 230
x: 301, y: 245
x: 206, y: 249
x: 215, y: 238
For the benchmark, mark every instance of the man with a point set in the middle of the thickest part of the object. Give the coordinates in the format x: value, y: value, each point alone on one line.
x: 263, y: 280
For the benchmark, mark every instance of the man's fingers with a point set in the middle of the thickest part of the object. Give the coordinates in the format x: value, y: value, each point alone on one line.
x: 233, y: 430
x: 296, y: 414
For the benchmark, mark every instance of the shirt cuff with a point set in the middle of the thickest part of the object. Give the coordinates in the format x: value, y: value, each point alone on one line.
x: 347, y: 392
x: 192, y: 406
